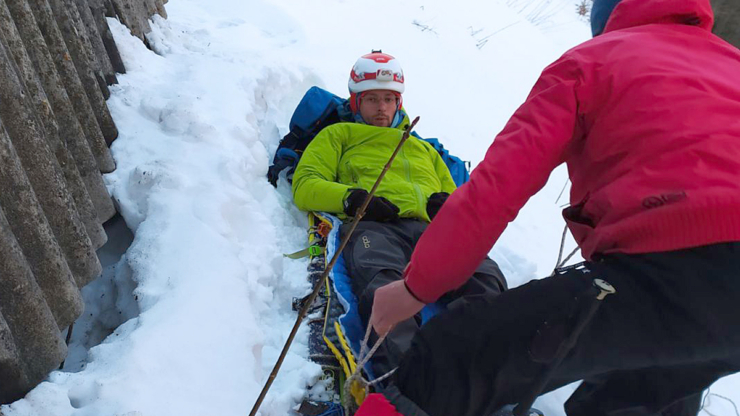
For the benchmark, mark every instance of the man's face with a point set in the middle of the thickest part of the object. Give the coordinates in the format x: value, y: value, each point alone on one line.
x: 378, y: 107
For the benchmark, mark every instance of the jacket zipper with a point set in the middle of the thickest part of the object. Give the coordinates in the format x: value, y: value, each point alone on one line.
x: 407, y: 167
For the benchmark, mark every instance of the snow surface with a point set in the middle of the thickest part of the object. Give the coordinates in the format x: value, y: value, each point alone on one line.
x: 197, y: 309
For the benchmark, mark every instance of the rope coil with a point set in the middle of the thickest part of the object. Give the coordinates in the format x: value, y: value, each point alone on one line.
x: 356, y: 376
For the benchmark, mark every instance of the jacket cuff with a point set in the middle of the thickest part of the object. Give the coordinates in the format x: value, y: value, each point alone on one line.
x: 409, y: 282
x: 335, y: 197
x: 411, y: 292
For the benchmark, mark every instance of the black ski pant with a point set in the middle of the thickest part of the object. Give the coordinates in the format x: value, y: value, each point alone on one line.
x: 669, y: 332
x: 376, y: 255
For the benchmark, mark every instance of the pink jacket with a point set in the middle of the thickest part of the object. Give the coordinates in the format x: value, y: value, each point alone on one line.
x: 647, y: 118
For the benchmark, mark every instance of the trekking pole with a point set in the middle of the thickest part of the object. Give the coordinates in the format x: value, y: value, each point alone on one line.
x: 317, y: 287
x: 605, y: 289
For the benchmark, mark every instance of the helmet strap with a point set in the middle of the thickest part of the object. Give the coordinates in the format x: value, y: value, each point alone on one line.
x: 354, y: 102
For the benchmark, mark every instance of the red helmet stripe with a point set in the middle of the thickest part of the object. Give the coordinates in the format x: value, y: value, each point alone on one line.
x: 378, y: 57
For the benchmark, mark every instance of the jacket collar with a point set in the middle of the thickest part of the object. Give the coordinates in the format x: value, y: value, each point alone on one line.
x: 632, y: 13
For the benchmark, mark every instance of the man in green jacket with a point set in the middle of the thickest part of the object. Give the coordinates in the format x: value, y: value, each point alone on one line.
x: 343, y: 162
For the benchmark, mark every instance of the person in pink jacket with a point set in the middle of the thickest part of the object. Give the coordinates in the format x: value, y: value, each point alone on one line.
x: 647, y: 117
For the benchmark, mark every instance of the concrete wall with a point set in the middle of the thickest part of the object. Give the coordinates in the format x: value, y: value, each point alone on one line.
x: 57, y: 58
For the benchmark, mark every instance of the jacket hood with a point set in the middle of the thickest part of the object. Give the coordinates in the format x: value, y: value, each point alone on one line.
x: 632, y: 13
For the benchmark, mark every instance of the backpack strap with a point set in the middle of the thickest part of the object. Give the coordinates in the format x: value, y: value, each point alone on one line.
x: 318, y: 108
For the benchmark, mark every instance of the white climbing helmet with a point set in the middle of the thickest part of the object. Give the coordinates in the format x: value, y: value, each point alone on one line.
x: 376, y: 71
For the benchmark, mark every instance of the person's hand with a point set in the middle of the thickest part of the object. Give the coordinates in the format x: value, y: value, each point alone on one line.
x: 379, y: 209
x: 392, y: 304
x: 435, y: 202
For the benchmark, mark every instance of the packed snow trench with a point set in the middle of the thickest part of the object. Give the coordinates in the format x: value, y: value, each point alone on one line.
x: 196, y: 310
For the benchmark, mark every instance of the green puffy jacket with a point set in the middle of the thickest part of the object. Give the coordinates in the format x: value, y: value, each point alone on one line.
x: 347, y: 156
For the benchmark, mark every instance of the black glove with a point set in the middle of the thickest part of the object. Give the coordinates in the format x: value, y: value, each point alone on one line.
x: 435, y: 202
x: 379, y: 208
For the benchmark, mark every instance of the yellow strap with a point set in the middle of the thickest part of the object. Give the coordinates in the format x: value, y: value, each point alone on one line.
x: 337, y: 353
x: 356, y: 388
x: 345, y: 346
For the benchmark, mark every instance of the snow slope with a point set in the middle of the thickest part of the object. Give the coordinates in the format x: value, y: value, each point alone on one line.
x: 199, y: 120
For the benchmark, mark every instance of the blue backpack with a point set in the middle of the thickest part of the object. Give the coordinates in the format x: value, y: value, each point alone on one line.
x: 320, y: 108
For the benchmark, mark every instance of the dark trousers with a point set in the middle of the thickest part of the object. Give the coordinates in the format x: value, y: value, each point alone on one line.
x: 376, y: 255
x: 669, y: 332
